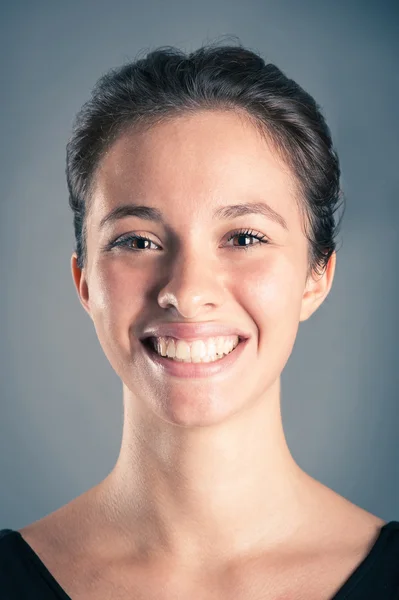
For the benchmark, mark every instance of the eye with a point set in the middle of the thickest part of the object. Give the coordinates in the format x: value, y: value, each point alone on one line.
x: 126, y: 240
x: 248, y: 233
x: 143, y: 242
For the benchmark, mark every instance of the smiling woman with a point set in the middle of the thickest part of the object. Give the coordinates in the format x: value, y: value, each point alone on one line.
x: 204, y: 189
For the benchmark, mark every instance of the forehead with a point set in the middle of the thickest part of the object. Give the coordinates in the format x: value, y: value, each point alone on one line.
x: 195, y: 161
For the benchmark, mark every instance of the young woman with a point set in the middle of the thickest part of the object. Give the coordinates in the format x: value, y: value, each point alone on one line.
x: 204, y: 189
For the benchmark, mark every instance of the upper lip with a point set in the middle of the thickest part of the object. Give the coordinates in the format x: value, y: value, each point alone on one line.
x: 192, y: 331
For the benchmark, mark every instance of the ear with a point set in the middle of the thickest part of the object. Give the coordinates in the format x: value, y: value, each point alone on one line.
x: 79, y: 279
x: 317, y: 288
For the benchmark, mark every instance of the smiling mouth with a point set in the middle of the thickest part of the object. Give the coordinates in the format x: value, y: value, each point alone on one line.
x: 150, y: 344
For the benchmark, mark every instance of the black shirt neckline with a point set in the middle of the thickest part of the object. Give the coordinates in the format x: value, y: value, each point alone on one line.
x: 348, y: 586
x: 367, y: 562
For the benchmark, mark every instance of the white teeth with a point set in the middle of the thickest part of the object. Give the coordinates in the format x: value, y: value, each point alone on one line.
x: 207, y: 350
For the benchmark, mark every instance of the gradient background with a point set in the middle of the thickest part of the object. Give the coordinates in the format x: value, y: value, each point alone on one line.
x: 60, y: 400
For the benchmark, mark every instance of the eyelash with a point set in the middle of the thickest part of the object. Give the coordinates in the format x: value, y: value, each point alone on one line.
x: 124, y: 240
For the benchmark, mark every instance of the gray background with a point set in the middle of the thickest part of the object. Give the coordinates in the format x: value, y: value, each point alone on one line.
x: 60, y: 400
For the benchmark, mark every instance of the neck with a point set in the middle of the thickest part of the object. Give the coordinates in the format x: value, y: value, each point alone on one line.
x: 209, y: 493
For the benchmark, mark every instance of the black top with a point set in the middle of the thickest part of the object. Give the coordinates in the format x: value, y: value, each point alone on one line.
x: 24, y: 576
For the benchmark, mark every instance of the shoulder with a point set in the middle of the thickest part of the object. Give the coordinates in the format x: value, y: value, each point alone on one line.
x: 4, y: 533
x: 65, y: 528
x: 16, y: 578
x: 9, y: 544
x: 377, y: 574
x: 58, y: 543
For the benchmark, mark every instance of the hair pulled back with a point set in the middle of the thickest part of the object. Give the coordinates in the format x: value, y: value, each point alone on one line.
x: 167, y: 83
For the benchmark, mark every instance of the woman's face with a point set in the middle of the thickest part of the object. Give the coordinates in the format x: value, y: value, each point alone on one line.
x: 187, y: 169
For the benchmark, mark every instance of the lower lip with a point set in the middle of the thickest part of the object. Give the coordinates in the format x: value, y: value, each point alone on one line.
x: 196, y: 370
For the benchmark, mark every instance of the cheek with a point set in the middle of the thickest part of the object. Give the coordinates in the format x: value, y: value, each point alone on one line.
x: 274, y: 287
x: 116, y: 299
x: 273, y: 294
x: 116, y: 291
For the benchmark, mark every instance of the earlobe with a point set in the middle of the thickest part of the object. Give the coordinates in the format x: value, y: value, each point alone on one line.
x: 317, y: 289
x: 79, y: 279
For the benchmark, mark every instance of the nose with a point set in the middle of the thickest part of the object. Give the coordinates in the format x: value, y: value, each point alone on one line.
x: 193, y: 285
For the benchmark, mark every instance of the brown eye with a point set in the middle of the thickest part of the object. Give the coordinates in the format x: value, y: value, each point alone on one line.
x: 241, y: 237
x: 247, y: 234
x: 142, y: 243
x: 126, y: 241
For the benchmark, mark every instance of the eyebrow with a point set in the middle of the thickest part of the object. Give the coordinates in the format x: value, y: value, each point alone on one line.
x: 223, y: 213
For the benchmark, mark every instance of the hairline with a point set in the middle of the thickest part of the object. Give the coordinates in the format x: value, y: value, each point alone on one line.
x: 142, y: 124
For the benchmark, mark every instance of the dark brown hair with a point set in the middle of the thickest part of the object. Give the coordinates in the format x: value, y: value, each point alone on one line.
x: 167, y: 83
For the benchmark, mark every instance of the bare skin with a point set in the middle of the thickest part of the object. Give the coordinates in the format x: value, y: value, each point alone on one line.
x: 88, y: 559
x: 205, y: 497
